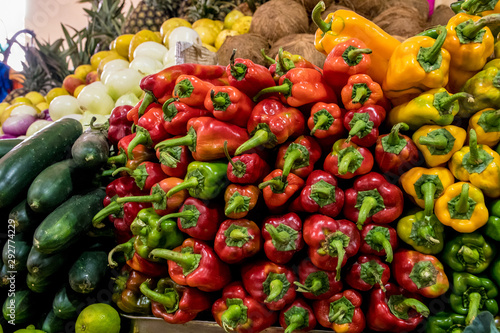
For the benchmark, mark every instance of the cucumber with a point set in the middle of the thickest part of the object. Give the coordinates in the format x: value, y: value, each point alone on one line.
x: 52, y: 186
x: 23, y: 218
x: 68, y: 222
x: 91, y: 149
x: 25, y: 161
x: 44, y: 265
x: 20, y: 307
x: 6, y: 145
x: 15, y: 252
x: 41, y: 285
x: 66, y: 303
x: 88, y: 271
x: 54, y: 324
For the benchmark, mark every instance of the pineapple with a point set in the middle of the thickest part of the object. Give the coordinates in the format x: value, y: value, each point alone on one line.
x: 211, y: 9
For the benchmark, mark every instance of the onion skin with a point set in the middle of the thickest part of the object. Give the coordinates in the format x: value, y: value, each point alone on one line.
x: 18, y: 125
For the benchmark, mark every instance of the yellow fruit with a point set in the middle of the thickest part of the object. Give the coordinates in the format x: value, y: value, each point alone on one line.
x: 219, y: 25
x: 35, y: 97
x: 242, y: 25
x: 54, y: 92
x: 97, y: 57
x: 141, y: 37
x: 6, y: 113
x: 105, y: 61
x: 22, y: 99
x: 207, y: 34
x: 204, y: 22
x: 231, y: 17
x: 221, y: 37
x: 82, y: 71
x: 209, y: 47
x: 98, y: 318
x: 171, y: 24
x: 121, y: 44
x: 78, y: 89
x: 42, y: 106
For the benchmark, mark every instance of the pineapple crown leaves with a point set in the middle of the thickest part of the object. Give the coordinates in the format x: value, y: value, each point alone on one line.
x: 212, y: 9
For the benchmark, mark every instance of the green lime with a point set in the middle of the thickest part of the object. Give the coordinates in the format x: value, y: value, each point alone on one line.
x: 98, y: 318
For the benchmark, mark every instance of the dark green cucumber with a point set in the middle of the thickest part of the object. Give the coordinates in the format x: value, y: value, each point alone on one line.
x: 6, y: 145
x: 25, y: 161
x: 66, y: 303
x: 54, y: 324
x: 41, y: 285
x: 23, y: 218
x: 91, y: 149
x: 15, y: 252
x: 68, y: 222
x: 52, y: 186
x: 44, y: 265
x: 21, y: 306
x: 88, y: 271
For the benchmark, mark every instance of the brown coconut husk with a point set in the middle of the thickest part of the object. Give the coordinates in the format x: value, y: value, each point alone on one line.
x: 440, y: 16
x: 400, y: 21
x: 366, y: 8
x: 422, y: 6
x: 300, y: 44
x: 310, y: 4
x: 279, y: 18
x: 247, y: 46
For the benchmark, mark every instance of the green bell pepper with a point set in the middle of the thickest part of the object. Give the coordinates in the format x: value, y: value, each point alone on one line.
x: 492, y: 227
x: 468, y: 253
x: 423, y: 234
x: 472, y: 294
x: 485, y: 88
x: 495, y: 271
x: 444, y: 322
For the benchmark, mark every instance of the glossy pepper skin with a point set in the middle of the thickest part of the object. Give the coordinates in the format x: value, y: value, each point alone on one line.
x: 237, y: 311
x: 247, y: 169
x: 140, y: 153
x: 373, y: 199
x: 237, y: 240
x: 174, y: 303
x: 127, y: 295
x: 282, y: 237
x: 284, y: 61
x: 341, y: 312
x: 119, y: 125
x: 195, y: 264
x: 229, y: 104
x: 321, y: 194
x: 140, y: 264
x: 331, y: 242
x: 443, y: 322
x: 326, y: 121
x: 240, y: 199
x: 425, y: 235
x: 315, y: 283
x: 472, y: 294
x: 438, y: 143
x: 174, y: 160
x: 348, y: 160
x: 269, y: 283
x: 362, y: 124
x: 486, y: 123
x: 379, y: 240
x: 492, y: 227
x: 177, y: 114
x: 360, y: 90
x: 297, y: 316
x: 368, y: 272
x: 191, y: 90
x: 247, y: 76
x: 277, y: 192
x: 469, y: 253
x: 394, y: 310
x: 145, y: 175
x: 420, y: 273
x: 298, y: 156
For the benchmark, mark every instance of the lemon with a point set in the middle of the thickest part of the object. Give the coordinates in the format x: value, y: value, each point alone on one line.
x: 209, y: 47
x: 121, y: 44
x: 82, y: 71
x: 231, y: 17
x: 42, y: 106
x: 171, y: 24
x: 54, y: 92
x: 141, y: 37
x: 219, y: 25
x: 98, y: 318
x: 35, y: 97
x: 204, y: 22
x: 221, y: 37
x: 23, y: 100
x: 207, y: 34
x: 242, y: 25
x: 78, y: 89
x: 97, y: 57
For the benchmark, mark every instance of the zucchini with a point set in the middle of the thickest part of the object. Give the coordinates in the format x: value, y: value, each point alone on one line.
x: 68, y: 222
x: 88, y: 271
x: 66, y: 303
x: 54, y: 324
x: 15, y: 252
x: 52, y: 186
x: 25, y: 161
x: 44, y: 265
x: 91, y: 149
x: 21, y: 306
x: 23, y: 218
x: 41, y: 285
x: 6, y: 145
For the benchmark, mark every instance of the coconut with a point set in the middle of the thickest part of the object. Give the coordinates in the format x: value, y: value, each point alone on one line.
x: 402, y: 21
x: 441, y: 16
x: 247, y: 46
x: 422, y: 6
x: 300, y: 44
x: 279, y: 18
x: 310, y: 4
x: 366, y: 8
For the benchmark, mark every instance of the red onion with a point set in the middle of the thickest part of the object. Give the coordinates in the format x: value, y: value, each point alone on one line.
x: 18, y: 125
x: 7, y: 136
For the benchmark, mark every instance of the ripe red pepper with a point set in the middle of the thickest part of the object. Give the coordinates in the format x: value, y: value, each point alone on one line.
x: 321, y: 194
x: 269, y: 283
x: 284, y: 61
x: 145, y: 175
x: 348, y: 160
x: 341, y: 312
x: 177, y: 114
x: 344, y: 60
x: 368, y: 272
x: 297, y: 316
x: 298, y: 156
x: 237, y: 311
x: 277, y: 191
x: 326, y: 121
x: 282, y: 237
x: 230, y: 105
x: 140, y: 109
x: 191, y: 90
x: 396, y: 153
x: 316, y: 283
x: 119, y: 125
x: 195, y: 264
x: 237, y: 240
x: 174, y: 160
x: 153, y: 269
x: 394, y: 310
x: 240, y: 199
x: 126, y: 293
x: 420, y: 273
x: 360, y: 91
x: 373, y: 199
x: 379, y: 240
x: 140, y: 153
x: 271, y: 123
x: 331, y: 242
x: 363, y: 124
x: 206, y: 136
x: 246, y: 168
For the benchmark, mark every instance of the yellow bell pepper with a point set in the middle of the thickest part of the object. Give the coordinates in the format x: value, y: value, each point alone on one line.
x: 462, y: 207
x: 424, y: 185
x: 419, y: 64
x: 478, y: 164
x: 343, y: 25
x: 439, y: 143
x: 486, y: 123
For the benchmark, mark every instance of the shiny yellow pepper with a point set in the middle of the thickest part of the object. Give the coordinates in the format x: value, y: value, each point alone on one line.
x: 439, y: 143
x: 486, y: 123
x: 343, y: 25
x: 462, y: 207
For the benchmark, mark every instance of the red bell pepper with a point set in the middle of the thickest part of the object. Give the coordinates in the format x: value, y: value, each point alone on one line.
x: 145, y: 175
x: 331, y: 242
x: 284, y: 61
x: 140, y: 109
x: 246, y: 168
x: 140, y: 153
x: 174, y: 303
x: 396, y: 153
x: 394, y: 310
x: 344, y: 60
x: 177, y: 114
x: 277, y: 192
x: 174, y: 160
x: 420, y: 273
x: 119, y: 125
x: 127, y: 294
x: 367, y: 272
x: 195, y: 264
x: 282, y: 237
x: 360, y: 91
x: 271, y: 123
x: 348, y: 160
x: 315, y: 283
x: 326, y: 121
x: 237, y: 240
x: 240, y: 199
x: 373, y: 199
x: 298, y: 156
x: 191, y: 90
x: 301, y: 86
x: 341, y: 312
x: 206, y: 136
x: 379, y: 240
x: 237, y: 311
x: 321, y: 194
x: 153, y: 269
x: 297, y: 316
x: 363, y: 124
x: 230, y: 105
x: 269, y: 283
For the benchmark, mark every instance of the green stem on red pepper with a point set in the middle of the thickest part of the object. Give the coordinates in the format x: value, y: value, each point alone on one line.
x: 146, y: 101
x: 266, y: 57
x: 112, y: 208
x: 364, y: 211
x: 282, y: 237
x: 399, y: 306
x: 360, y: 93
x: 232, y: 314
x: 169, y: 298
x: 124, y: 247
x: 275, y: 288
x: 285, y: 88
x: 278, y: 185
x: 260, y: 137
x: 380, y: 238
x: 353, y: 55
x: 295, y: 321
x: 185, y: 185
x: 186, y: 260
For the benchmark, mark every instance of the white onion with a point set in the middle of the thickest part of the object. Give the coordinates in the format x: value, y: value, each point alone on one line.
x: 37, y: 125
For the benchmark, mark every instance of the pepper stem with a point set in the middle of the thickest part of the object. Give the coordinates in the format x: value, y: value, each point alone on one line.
x: 284, y: 89
x: 184, y: 214
x: 358, y: 127
x: 321, y: 120
x: 118, y: 159
x: 470, y: 256
x: 445, y: 103
x: 285, y: 66
x: 394, y: 135
x: 141, y: 137
x: 345, y: 162
x: 278, y: 237
x: 428, y: 190
x: 266, y: 57
x: 462, y: 206
x: 141, y: 198
x: 474, y: 302
x: 187, y: 140
x: 277, y: 184
x: 339, y: 246
x: 353, y: 54
x: 275, y: 288
x: 474, y: 149
x: 260, y: 137
x: 296, y: 321
x: 127, y: 170
x: 218, y: 101
x: 377, y: 278
x: 187, y: 261
x: 168, y: 299
x: 493, y: 118
x: 379, y: 238
x: 424, y: 232
x: 226, y: 152
x: 315, y: 286
x: 407, y: 303
x: 146, y: 101
x: 187, y: 184
x: 316, y: 17
x: 361, y: 93
x: 292, y: 156
x: 364, y: 211
x: 471, y: 30
x: 231, y: 315
x: 124, y: 247
x: 439, y: 141
x: 236, y: 69
x: 238, y: 201
x: 237, y: 234
x: 168, y: 160
x: 430, y: 55
x: 338, y: 315
x: 112, y: 208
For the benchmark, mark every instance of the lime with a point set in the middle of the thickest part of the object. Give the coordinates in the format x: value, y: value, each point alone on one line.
x: 98, y: 318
